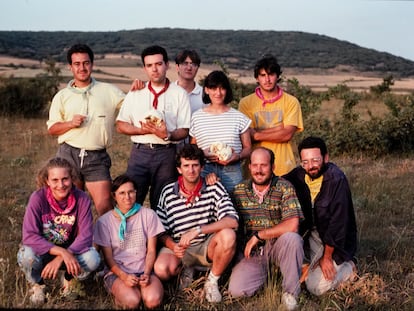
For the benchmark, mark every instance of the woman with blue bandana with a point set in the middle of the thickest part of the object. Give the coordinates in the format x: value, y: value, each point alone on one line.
x: 127, y: 236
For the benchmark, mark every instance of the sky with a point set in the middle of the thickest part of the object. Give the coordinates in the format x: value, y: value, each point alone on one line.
x: 382, y: 25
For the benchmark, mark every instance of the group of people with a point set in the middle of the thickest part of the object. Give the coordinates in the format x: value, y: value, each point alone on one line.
x: 203, y: 214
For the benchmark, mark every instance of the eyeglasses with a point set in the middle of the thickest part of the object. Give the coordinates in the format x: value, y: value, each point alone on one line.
x: 316, y: 161
x: 186, y: 64
x: 130, y: 193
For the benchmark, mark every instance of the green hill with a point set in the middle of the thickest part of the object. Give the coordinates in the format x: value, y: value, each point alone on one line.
x: 235, y: 49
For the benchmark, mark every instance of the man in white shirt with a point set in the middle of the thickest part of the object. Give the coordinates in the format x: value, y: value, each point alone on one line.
x: 152, y: 161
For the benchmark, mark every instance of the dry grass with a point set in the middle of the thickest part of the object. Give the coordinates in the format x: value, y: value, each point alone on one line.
x: 383, y: 201
x: 382, y: 191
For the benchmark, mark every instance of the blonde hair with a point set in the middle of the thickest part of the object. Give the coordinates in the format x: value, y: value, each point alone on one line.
x: 56, y: 162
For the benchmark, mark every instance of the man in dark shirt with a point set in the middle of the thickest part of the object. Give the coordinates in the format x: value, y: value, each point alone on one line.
x: 331, y: 234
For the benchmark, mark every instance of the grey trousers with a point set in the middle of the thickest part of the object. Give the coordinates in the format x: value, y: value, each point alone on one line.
x: 250, y: 274
x: 316, y: 282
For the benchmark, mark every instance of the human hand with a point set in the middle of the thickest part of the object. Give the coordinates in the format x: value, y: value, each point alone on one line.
x: 210, y: 156
x: 77, y: 120
x: 159, y: 130
x: 179, y: 250
x: 51, y: 270
x: 250, y: 245
x: 144, y: 280
x: 211, y: 179
x: 235, y: 157
x: 130, y: 280
x: 186, y: 238
x: 137, y: 85
x: 327, y: 267
x: 71, y: 263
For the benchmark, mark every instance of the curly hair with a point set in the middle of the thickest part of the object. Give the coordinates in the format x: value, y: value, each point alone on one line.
x: 43, y: 174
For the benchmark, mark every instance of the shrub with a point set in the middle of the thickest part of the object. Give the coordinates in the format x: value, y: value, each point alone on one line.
x: 29, y: 97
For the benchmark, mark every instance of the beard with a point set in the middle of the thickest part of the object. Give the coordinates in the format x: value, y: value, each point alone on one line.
x: 261, y: 179
x: 316, y: 172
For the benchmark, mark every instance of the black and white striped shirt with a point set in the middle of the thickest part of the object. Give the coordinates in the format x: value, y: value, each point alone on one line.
x: 178, y: 217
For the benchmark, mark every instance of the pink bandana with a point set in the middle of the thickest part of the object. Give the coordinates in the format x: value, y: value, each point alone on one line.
x: 261, y: 194
x: 268, y: 101
x: 71, y: 201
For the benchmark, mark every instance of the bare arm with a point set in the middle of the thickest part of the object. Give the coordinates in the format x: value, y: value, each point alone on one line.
x: 129, y: 279
x: 149, y: 128
x: 178, y: 250
x: 145, y: 279
x: 62, y: 256
x: 60, y: 128
x: 289, y: 225
x: 129, y: 129
x: 278, y: 134
x: 326, y: 263
x: 224, y: 223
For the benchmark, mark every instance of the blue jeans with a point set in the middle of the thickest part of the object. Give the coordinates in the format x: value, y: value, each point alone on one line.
x: 230, y: 175
x: 32, y: 264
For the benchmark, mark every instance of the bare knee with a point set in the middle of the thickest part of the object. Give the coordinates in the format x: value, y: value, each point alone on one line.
x: 152, y: 300
x: 165, y: 270
x: 128, y: 301
x: 226, y: 239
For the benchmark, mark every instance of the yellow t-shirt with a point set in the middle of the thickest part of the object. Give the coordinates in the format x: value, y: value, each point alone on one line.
x: 314, y: 186
x: 99, y: 102
x: 286, y: 111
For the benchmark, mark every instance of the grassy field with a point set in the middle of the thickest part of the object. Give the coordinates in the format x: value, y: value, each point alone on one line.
x: 384, y: 202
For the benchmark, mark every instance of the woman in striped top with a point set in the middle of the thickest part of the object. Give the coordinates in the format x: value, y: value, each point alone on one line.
x: 218, y: 122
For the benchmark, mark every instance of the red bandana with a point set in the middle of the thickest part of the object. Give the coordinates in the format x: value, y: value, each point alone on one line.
x: 268, y: 101
x: 191, y: 194
x: 71, y: 201
x: 156, y: 95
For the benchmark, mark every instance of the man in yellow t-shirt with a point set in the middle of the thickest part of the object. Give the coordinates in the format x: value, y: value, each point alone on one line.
x: 82, y: 116
x: 276, y: 116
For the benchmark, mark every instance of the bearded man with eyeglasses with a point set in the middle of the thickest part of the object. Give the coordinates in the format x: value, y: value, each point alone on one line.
x: 329, y: 229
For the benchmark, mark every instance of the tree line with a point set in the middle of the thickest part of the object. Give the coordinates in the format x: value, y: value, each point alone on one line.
x: 236, y: 48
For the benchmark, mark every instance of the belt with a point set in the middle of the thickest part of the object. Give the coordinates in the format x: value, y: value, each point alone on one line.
x: 86, y: 150
x: 152, y: 146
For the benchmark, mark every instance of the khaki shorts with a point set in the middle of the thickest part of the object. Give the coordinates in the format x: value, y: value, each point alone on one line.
x: 195, y: 255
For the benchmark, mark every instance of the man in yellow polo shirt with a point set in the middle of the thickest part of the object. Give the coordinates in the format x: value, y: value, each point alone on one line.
x: 82, y: 115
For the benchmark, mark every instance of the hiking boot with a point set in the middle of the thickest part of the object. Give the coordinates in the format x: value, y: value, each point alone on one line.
x: 289, y: 302
x: 72, y: 290
x: 37, y: 296
x: 186, y: 278
x: 212, y: 292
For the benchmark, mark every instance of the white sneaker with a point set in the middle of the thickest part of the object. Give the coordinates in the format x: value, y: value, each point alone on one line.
x: 186, y: 277
x: 289, y: 301
x: 212, y: 292
x: 37, y: 296
x: 83, y: 275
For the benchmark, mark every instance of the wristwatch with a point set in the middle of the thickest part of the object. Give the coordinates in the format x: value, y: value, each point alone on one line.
x: 198, y: 229
x: 168, y: 137
x: 256, y: 234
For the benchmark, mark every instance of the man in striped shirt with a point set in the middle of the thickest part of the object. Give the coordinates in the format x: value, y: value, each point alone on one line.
x: 270, y: 213
x: 200, y: 222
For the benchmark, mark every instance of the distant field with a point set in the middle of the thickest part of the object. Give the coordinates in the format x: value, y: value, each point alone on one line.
x: 121, y: 69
